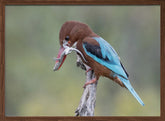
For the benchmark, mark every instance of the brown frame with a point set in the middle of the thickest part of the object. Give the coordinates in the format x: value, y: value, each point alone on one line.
x: 80, y: 2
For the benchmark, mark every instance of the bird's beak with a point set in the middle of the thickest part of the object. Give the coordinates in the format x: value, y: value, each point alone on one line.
x: 60, y: 58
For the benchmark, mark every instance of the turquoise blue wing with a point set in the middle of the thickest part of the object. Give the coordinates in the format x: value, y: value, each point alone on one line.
x: 105, y: 55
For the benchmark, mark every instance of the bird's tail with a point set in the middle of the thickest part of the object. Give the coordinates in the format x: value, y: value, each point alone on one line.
x: 131, y: 89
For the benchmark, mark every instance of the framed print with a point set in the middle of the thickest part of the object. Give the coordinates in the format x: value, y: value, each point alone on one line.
x: 114, y: 49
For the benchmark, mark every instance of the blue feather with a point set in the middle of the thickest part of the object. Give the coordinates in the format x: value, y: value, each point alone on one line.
x: 108, y: 51
x: 131, y: 89
x: 113, y: 64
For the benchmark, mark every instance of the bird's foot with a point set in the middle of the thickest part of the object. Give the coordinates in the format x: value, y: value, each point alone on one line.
x: 90, y: 82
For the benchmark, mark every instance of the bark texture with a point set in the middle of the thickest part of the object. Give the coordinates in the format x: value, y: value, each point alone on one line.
x: 87, y: 103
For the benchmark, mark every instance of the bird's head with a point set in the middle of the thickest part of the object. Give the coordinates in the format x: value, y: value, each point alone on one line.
x: 71, y: 32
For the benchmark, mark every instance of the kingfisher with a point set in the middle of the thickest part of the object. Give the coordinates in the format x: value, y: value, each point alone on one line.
x: 94, y: 52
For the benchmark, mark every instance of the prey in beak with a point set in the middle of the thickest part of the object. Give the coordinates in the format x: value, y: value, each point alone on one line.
x: 63, y: 52
x: 60, y: 59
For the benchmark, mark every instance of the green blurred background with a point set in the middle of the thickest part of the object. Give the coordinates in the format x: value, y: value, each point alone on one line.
x: 32, y: 88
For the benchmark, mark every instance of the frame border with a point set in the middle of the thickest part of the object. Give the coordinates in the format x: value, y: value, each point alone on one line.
x: 3, y: 3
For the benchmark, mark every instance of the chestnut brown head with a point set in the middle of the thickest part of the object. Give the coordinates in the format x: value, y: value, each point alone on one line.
x: 71, y: 32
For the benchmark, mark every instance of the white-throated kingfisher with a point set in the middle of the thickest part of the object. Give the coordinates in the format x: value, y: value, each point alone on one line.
x: 94, y: 52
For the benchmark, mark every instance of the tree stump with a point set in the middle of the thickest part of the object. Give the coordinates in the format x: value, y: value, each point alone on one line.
x: 87, y: 103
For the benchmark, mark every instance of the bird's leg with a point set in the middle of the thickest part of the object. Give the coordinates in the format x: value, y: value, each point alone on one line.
x: 90, y: 82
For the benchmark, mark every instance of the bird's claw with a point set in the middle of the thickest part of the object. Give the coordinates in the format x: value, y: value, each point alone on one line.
x: 84, y: 86
x: 90, y: 82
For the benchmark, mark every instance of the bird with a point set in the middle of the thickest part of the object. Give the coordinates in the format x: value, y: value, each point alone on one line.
x: 94, y: 52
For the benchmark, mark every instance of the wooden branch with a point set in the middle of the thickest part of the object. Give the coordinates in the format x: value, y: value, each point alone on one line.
x: 87, y: 103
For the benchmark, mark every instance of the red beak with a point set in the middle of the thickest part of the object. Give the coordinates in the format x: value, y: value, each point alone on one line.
x: 60, y: 59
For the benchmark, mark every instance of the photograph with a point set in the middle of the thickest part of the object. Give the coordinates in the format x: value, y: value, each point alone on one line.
x: 82, y: 60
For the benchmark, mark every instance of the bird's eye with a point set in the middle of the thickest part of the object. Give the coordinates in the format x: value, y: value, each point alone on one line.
x: 67, y: 38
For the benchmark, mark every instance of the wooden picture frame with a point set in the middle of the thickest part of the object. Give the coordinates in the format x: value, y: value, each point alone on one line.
x: 3, y: 3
